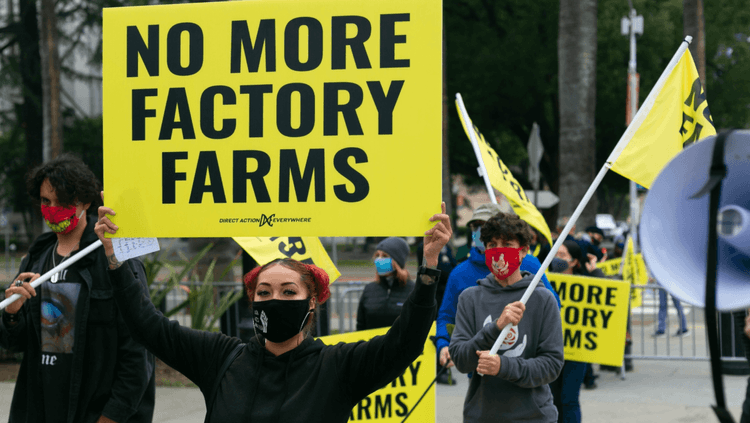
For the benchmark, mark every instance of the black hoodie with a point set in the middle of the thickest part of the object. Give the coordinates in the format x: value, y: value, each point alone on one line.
x: 312, y: 383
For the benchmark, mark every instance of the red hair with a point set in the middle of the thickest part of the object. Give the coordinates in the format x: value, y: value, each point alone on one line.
x: 315, y: 279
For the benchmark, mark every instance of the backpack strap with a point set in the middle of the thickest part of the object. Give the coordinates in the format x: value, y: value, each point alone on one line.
x: 212, y: 395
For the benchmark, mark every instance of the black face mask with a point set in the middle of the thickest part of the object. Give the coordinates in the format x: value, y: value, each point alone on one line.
x: 279, y: 320
x: 595, y: 241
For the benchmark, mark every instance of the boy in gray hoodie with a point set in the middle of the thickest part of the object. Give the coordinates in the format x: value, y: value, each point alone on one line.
x: 514, y: 386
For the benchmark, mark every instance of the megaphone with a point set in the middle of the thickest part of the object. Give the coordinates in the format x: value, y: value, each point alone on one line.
x: 674, y: 226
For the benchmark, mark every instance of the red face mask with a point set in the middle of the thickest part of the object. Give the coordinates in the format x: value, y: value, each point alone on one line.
x: 503, y: 262
x: 60, y: 219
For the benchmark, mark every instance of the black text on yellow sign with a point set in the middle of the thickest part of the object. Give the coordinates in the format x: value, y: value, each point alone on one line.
x: 594, y: 316
x: 177, y: 115
x: 255, y: 103
x: 393, y: 402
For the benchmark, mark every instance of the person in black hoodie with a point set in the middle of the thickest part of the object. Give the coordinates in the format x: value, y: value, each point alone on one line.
x: 282, y: 374
x: 80, y: 363
x: 382, y: 300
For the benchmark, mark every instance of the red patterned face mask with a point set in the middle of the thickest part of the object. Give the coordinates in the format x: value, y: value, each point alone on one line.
x: 503, y: 262
x: 61, y: 220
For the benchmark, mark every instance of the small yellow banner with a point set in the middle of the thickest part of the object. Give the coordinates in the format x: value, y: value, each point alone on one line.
x: 594, y: 317
x: 306, y: 249
x: 504, y: 181
x: 610, y: 267
x: 392, y: 403
x: 269, y: 118
x: 678, y: 118
x: 634, y: 272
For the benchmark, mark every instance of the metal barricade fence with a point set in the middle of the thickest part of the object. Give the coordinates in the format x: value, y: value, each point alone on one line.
x: 342, y: 310
x: 648, y: 343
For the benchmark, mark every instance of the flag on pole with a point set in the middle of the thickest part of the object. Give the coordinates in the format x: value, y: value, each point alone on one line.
x: 307, y: 249
x: 500, y: 177
x: 676, y: 115
x: 634, y: 272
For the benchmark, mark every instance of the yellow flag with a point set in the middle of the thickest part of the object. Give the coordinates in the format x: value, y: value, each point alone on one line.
x: 307, y: 249
x: 503, y: 181
x: 678, y: 117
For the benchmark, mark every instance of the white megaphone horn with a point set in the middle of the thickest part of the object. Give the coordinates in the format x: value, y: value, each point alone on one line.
x: 674, y: 225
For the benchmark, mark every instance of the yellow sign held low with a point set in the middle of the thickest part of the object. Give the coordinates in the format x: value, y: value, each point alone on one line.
x: 594, y: 317
x: 394, y: 401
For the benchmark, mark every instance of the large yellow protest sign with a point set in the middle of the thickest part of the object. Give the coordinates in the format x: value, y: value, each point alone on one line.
x: 594, y: 317
x: 634, y: 272
x: 305, y: 249
x: 268, y: 118
x: 504, y: 181
x: 678, y: 117
x: 394, y: 401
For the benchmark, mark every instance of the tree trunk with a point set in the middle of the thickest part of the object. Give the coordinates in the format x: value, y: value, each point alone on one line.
x: 694, y: 25
x: 51, y: 82
x: 31, y: 118
x: 576, y: 49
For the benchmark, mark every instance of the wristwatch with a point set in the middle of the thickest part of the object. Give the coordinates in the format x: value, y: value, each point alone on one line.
x: 429, y: 272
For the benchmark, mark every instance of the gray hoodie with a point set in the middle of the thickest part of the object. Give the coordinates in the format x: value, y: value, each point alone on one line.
x: 531, y: 359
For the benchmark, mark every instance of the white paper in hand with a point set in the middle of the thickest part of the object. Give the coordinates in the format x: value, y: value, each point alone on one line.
x: 127, y: 248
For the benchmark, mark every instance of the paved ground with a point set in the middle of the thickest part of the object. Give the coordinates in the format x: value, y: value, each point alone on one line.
x: 657, y: 391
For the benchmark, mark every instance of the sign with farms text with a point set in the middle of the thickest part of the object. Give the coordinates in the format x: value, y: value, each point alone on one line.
x: 273, y: 118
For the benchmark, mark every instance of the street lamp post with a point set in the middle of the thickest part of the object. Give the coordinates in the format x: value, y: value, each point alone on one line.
x: 630, y: 26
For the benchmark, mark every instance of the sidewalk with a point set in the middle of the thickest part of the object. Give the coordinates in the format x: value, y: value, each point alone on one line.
x: 657, y: 391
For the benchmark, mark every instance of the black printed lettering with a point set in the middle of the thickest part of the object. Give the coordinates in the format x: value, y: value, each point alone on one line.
x: 174, y: 49
x: 170, y: 176
x: 140, y: 112
x: 241, y: 43
x: 339, y: 41
x: 289, y: 165
x: 208, y: 165
x: 256, y: 177
x: 136, y: 47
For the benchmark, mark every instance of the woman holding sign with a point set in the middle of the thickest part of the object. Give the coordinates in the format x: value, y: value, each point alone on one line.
x: 282, y: 374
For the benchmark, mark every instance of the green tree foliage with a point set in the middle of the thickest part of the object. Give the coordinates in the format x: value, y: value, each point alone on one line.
x: 502, y: 58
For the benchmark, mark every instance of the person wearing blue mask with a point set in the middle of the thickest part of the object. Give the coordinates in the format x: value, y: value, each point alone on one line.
x: 382, y: 300
x: 467, y: 273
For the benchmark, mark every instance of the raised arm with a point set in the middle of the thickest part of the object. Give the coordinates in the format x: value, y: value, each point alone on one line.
x: 195, y: 354
x: 368, y: 366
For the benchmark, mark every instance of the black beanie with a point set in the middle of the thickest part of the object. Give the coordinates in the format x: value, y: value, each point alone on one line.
x: 395, y: 247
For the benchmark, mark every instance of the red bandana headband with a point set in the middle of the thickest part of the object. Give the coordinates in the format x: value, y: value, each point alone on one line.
x: 319, y: 276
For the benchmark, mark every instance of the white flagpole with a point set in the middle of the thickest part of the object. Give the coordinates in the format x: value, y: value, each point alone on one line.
x: 475, y: 143
x: 60, y: 267
x: 629, y: 132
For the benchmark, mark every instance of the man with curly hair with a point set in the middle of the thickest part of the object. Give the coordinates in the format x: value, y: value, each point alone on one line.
x: 80, y: 363
x: 514, y: 385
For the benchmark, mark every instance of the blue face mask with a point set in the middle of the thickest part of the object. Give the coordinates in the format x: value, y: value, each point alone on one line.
x: 477, y: 242
x: 384, y: 266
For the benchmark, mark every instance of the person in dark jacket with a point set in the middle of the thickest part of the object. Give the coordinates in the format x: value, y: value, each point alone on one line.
x: 80, y: 363
x: 282, y: 374
x: 382, y: 300
x: 566, y: 390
